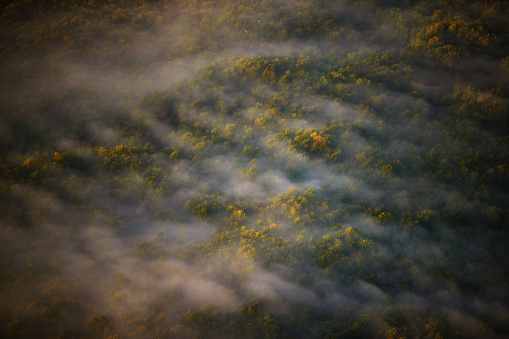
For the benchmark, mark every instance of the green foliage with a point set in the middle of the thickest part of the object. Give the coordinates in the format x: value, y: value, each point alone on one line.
x: 316, y: 145
x: 152, y: 249
x: 206, y: 205
x: 312, y: 169
x: 486, y: 108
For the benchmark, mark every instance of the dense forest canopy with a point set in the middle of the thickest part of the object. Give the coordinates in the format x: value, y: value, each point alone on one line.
x: 254, y: 169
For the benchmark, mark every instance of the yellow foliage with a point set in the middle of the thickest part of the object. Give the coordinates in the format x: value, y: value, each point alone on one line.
x: 351, y: 231
x: 239, y: 214
x: 387, y: 169
x: 383, y: 217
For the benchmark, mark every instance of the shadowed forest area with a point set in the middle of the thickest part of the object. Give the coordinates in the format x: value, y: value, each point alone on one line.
x: 254, y: 169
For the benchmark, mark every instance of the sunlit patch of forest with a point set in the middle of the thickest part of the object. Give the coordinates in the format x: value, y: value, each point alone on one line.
x: 254, y: 169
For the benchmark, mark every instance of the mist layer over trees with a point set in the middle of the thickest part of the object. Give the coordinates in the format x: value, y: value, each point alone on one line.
x: 254, y: 169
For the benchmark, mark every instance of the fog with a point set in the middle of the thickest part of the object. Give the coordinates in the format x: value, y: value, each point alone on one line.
x: 149, y: 172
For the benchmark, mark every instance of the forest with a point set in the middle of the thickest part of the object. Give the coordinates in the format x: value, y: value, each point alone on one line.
x: 254, y: 169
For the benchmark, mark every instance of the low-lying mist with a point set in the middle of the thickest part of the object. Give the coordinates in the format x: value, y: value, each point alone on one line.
x: 190, y: 169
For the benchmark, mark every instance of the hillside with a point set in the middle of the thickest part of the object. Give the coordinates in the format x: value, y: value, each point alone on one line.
x: 254, y: 169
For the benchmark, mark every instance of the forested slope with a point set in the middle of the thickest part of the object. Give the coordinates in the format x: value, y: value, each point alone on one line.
x: 254, y: 169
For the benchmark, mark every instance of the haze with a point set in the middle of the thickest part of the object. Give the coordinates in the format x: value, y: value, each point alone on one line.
x: 254, y: 169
